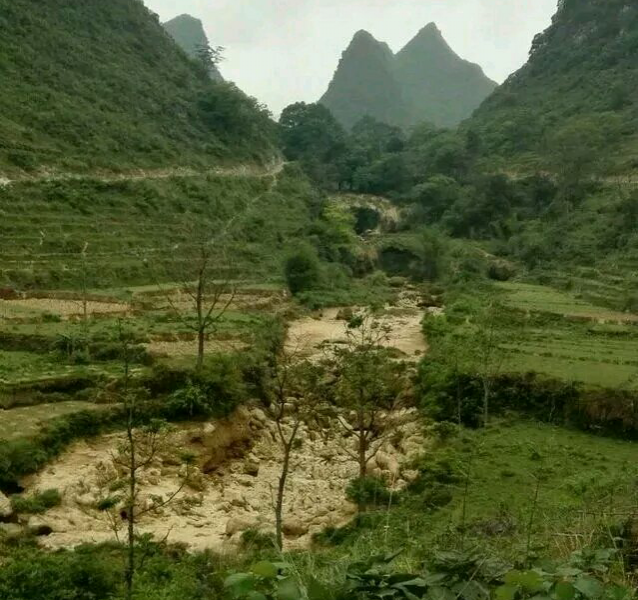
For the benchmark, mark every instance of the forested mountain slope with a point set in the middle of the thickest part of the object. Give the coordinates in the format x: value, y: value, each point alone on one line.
x: 426, y: 81
x: 581, y: 74
x: 100, y: 84
x: 188, y: 32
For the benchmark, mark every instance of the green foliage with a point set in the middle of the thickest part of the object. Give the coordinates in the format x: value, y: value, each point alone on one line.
x: 214, y: 390
x: 312, y: 136
x: 580, y: 66
x: 265, y: 581
x: 302, y: 271
x: 78, y: 575
x: 368, y: 492
x: 112, y: 102
x: 39, y: 502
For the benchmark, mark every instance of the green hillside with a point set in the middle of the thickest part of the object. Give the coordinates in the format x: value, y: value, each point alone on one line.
x: 581, y: 73
x: 94, y: 84
x: 188, y: 32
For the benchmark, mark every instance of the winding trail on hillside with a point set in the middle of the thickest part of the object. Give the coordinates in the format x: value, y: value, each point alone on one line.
x: 272, y: 169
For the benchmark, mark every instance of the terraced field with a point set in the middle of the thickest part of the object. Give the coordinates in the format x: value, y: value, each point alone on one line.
x: 542, y: 299
x: 55, y: 234
x: 579, y: 341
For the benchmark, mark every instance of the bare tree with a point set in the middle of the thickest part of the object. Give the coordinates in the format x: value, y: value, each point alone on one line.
x: 293, y: 394
x: 141, y: 447
x: 489, y: 355
x: 368, y: 385
x: 207, y: 282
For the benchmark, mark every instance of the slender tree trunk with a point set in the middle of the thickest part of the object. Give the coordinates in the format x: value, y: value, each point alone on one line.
x: 201, y: 326
x: 201, y: 347
x: 85, y: 305
x: 130, y: 564
x: 363, y: 446
x: 486, y: 401
x: 279, y: 507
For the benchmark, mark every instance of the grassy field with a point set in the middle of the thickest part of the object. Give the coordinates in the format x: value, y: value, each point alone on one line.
x: 556, y: 333
x: 583, y: 482
x: 139, y: 231
x: 543, y: 299
x: 27, y: 420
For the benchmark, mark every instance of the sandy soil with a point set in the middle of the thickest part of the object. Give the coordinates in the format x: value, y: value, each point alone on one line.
x: 64, y: 308
x: 189, y: 348
x: 310, y: 335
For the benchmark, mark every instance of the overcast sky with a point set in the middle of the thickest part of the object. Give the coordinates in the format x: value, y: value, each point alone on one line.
x: 283, y: 51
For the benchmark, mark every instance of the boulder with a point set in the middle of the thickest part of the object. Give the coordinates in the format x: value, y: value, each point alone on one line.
x: 234, y: 498
x: 238, y: 524
x: 6, y: 510
x: 251, y: 467
x: 294, y: 527
x: 11, y: 530
x: 387, y: 462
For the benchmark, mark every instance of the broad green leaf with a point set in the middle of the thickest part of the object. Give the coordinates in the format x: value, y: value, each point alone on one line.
x: 288, y: 590
x: 441, y: 593
x: 240, y: 583
x: 316, y: 591
x: 530, y: 581
x: 265, y: 570
x: 506, y: 592
x: 256, y: 596
x: 589, y: 587
x: 564, y: 591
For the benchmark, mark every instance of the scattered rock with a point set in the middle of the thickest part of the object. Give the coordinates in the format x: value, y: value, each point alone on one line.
x: 6, y: 509
x: 239, y: 524
x: 294, y: 527
x: 39, y: 527
x: 251, y: 467
x: 11, y: 530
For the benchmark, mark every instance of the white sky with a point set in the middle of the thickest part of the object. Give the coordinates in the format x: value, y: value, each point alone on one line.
x: 283, y: 51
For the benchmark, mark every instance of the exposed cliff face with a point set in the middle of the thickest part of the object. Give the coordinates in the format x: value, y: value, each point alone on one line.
x: 188, y: 32
x: 365, y: 83
x: 426, y: 81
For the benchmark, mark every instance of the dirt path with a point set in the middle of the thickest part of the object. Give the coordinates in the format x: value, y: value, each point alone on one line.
x: 271, y: 170
x: 216, y: 508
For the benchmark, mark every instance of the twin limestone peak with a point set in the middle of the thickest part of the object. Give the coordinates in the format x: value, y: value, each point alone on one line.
x: 188, y: 33
x: 426, y: 81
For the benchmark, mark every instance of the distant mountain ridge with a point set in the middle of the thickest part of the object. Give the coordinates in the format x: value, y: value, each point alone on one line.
x: 188, y: 33
x: 425, y: 81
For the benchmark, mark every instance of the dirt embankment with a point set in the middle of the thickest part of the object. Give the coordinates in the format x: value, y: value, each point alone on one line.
x: 230, y: 490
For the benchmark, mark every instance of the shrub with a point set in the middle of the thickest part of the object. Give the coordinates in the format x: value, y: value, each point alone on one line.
x: 302, y: 271
x: 255, y: 540
x: 38, y: 503
x: 368, y: 491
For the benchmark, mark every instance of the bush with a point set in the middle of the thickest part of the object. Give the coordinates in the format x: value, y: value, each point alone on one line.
x: 302, y: 271
x: 38, y: 503
x: 214, y: 391
x: 368, y: 492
